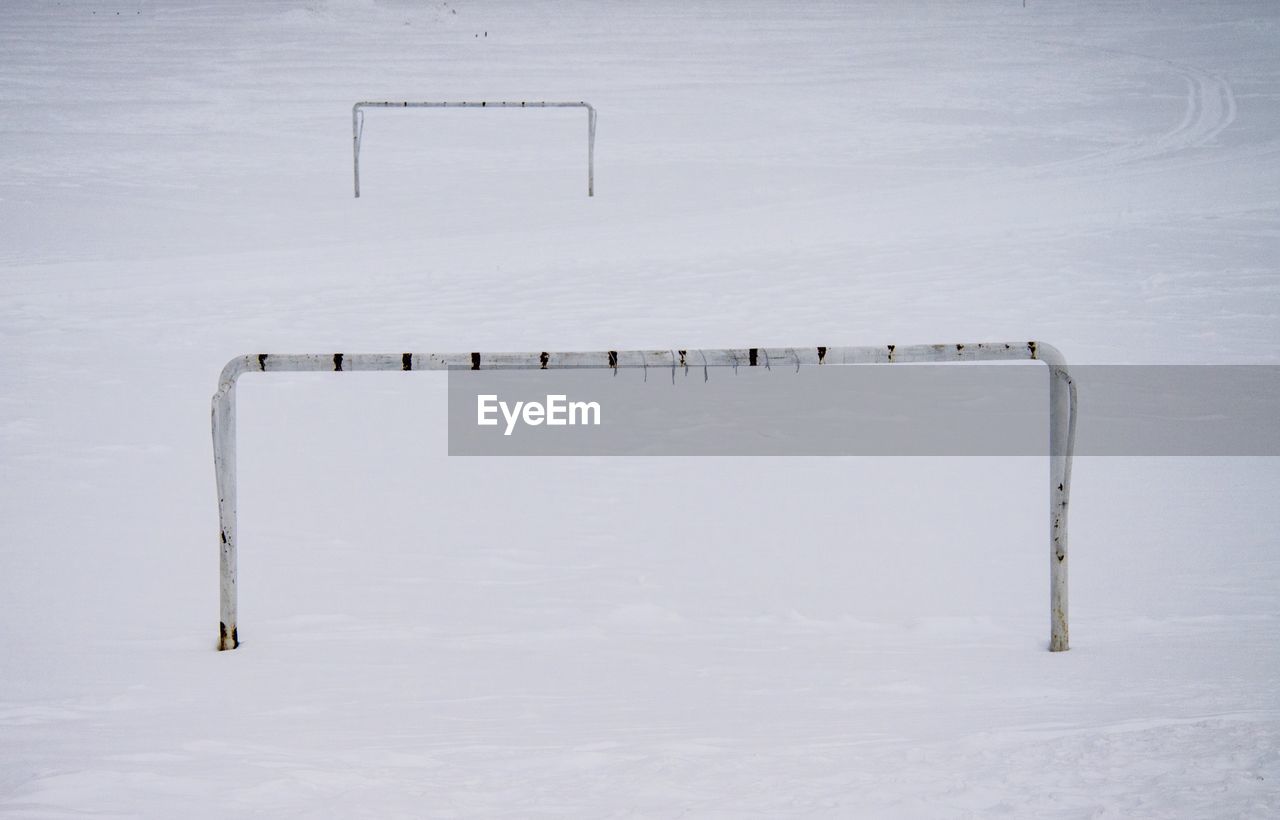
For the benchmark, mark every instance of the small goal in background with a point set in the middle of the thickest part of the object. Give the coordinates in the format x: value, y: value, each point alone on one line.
x: 357, y: 127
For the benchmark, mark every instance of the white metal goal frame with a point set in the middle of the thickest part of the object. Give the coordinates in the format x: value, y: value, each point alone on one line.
x: 1062, y: 420
x: 357, y: 126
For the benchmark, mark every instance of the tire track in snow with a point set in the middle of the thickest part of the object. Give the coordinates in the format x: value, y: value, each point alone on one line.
x: 1210, y: 109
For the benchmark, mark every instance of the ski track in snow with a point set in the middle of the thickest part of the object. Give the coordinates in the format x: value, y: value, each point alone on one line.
x: 1210, y: 110
x: 427, y: 636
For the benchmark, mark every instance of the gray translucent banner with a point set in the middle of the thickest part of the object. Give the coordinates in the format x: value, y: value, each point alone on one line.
x: 867, y: 410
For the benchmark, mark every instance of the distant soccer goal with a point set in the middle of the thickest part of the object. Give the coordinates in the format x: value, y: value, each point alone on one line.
x: 1062, y: 414
x: 357, y: 127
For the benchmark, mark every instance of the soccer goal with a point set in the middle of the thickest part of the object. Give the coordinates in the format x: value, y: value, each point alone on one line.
x: 357, y: 127
x: 1062, y: 420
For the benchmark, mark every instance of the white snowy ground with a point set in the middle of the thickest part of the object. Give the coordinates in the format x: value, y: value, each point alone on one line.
x: 426, y: 636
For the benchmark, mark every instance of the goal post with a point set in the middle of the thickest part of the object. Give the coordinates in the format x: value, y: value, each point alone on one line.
x: 1062, y: 420
x: 357, y: 126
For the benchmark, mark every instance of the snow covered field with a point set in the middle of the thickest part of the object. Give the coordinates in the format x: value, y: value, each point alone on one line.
x: 426, y: 636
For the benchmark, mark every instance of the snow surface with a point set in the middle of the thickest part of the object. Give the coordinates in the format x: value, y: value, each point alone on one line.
x: 426, y: 636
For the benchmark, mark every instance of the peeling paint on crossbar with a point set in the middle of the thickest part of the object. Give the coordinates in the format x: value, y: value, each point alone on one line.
x: 357, y: 126
x: 1062, y: 420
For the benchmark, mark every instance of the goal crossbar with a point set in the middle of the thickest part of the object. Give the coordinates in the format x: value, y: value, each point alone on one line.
x: 357, y: 126
x: 1062, y: 420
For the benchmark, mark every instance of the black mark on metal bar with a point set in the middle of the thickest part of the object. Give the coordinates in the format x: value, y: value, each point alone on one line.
x: 337, y: 362
x: 262, y: 361
x: 406, y: 361
x: 475, y: 361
